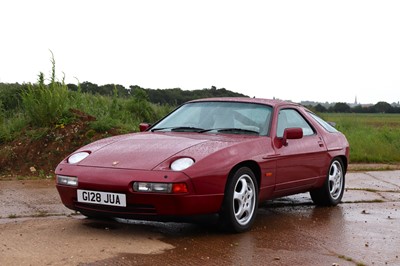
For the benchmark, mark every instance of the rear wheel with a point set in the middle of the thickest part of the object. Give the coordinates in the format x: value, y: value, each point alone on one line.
x: 240, y: 202
x: 331, y: 193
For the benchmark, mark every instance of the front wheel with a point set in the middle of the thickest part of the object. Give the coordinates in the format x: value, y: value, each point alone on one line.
x: 331, y: 193
x: 240, y: 201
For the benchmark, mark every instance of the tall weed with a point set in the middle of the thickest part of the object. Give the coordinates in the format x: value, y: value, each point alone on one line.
x: 45, y: 104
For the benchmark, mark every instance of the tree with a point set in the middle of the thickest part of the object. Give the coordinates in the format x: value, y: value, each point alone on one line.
x: 320, y: 108
x: 72, y: 87
x: 87, y: 86
x: 358, y: 109
x: 382, y: 107
x: 341, y: 108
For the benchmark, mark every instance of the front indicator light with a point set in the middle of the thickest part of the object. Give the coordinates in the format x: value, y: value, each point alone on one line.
x: 150, y: 187
x: 67, y: 180
x: 179, y: 188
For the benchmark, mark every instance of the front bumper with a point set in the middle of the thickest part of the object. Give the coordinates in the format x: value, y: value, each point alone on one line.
x: 152, y: 206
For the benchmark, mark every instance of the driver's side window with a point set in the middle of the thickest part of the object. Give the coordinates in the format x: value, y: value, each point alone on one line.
x: 289, y: 118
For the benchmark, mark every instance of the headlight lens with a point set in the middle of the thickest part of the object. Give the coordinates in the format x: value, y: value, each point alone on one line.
x: 151, y: 187
x: 67, y: 180
x: 182, y: 164
x: 77, y: 157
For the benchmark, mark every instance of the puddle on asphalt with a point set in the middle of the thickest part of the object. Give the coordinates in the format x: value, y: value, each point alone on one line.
x: 287, y: 231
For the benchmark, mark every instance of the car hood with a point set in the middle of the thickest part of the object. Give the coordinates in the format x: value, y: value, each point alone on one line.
x: 145, y: 151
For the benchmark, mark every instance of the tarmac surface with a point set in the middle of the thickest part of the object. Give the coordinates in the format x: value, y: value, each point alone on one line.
x: 36, y: 229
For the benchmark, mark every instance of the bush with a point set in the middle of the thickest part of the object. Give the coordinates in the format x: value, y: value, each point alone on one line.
x: 140, y: 106
x: 2, y: 113
x: 10, y: 96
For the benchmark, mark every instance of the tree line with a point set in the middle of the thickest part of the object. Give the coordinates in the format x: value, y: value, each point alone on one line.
x: 10, y: 93
x: 175, y: 96
x: 340, y: 107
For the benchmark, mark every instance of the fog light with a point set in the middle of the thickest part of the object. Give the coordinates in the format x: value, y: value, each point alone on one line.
x: 67, y: 180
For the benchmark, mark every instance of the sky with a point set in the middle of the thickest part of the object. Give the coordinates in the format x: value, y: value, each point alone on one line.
x: 324, y: 51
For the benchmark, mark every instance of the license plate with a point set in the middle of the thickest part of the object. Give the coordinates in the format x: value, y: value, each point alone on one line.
x: 104, y: 198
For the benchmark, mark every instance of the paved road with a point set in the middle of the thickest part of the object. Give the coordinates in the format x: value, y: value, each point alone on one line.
x: 35, y: 229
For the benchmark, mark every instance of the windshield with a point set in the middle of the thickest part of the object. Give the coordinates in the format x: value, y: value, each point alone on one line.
x: 222, y: 117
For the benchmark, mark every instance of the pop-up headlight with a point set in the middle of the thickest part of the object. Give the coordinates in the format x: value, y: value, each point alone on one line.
x: 182, y: 164
x: 77, y: 157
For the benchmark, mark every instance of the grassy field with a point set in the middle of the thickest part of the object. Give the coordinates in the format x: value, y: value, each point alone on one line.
x: 373, y: 138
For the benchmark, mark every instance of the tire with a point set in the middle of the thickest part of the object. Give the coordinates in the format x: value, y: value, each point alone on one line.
x: 331, y: 193
x: 240, y: 203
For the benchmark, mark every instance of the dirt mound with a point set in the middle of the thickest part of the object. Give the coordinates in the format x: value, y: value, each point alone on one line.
x: 37, y: 152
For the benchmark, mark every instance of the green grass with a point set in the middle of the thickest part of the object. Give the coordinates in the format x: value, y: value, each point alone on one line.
x: 373, y: 138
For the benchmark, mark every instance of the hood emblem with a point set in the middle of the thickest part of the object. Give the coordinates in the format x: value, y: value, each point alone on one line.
x: 115, y: 163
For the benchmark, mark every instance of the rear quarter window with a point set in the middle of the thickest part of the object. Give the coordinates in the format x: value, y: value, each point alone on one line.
x: 323, y: 123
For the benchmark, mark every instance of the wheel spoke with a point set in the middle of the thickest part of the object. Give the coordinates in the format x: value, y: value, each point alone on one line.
x: 333, y: 173
x: 238, y: 195
x: 239, y: 212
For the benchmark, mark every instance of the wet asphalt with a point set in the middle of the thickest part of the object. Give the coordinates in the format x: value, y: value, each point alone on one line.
x: 363, y: 230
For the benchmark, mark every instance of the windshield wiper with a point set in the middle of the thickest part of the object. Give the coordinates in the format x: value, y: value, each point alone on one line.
x: 187, y: 129
x: 231, y: 130
x: 179, y: 129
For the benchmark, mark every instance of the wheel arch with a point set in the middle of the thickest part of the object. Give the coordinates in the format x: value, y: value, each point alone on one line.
x: 250, y: 164
x: 344, y: 161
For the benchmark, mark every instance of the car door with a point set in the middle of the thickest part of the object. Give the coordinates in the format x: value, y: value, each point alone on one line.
x: 301, y: 161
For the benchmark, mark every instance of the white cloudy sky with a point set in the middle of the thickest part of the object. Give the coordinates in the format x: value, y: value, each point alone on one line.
x: 295, y: 50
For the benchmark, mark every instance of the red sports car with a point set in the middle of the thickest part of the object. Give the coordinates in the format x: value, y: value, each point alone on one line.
x: 218, y: 156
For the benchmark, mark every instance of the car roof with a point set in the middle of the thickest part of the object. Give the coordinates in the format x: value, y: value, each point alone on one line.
x: 271, y: 102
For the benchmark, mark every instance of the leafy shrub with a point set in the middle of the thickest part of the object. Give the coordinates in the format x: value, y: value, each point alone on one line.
x: 104, y: 124
x: 140, y: 106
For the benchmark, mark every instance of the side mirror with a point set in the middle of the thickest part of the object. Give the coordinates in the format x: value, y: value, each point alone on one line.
x: 144, y: 126
x: 291, y: 133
